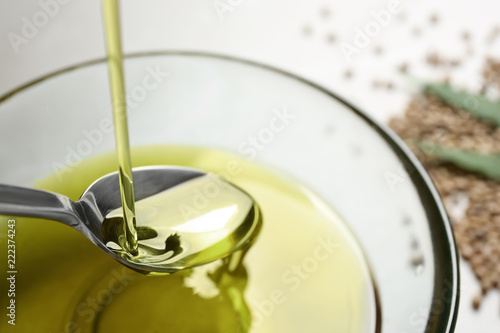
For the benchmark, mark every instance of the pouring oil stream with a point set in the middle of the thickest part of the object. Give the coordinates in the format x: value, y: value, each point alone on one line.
x: 115, y: 67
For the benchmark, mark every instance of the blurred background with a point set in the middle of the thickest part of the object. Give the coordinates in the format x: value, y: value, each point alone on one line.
x: 357, y: 49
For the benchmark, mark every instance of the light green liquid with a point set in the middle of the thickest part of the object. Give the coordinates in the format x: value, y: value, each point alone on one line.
x: 199, y: 221
x: 127, y: 226
x: 304, y: 273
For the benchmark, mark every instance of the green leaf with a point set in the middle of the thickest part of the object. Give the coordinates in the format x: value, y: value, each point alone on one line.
x: 488, y: 165
x: 478, y: 105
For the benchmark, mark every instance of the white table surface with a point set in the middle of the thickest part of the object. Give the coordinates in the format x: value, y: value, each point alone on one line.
x: 272, y: 32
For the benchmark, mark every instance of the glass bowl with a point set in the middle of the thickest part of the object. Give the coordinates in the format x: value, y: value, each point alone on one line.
x: 356, y: 165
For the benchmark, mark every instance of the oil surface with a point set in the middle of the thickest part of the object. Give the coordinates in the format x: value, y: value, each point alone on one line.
x: 304, y: 273
x: 198, y: 221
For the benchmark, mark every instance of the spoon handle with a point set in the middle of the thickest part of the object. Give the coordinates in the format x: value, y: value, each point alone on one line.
x: 20, y: 201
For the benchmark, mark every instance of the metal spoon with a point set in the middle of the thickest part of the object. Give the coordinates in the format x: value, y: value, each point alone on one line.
x: 215, y: 239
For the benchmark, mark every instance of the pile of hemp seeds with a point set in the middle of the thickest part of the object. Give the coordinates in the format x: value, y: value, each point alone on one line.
x: 472, y: 200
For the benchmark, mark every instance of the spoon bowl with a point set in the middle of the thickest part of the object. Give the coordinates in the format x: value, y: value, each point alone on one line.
x: 180, y: 224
